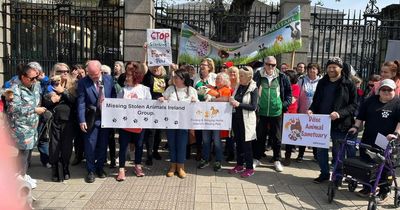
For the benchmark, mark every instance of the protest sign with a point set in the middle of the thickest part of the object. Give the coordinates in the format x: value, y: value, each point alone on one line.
x: 159, y: 47
x: 285, y: 36
x: 128, y: 113
x: 305, y: 130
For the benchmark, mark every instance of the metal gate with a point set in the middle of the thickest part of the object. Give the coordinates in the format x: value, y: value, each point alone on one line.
x: 70, y: 31
x: 359, y: 37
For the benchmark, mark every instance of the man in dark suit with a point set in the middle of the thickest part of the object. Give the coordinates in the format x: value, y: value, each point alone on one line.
x: 92, y: 90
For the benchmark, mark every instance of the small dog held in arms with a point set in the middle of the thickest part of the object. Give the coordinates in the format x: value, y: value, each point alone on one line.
x: 208, y: 93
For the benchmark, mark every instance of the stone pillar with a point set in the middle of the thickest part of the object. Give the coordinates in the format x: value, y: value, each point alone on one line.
x: 139, y: 16
x: 301, y: 54
x: 5, y: 35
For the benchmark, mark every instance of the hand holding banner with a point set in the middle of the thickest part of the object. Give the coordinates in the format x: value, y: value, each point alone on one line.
x: 305, y: 130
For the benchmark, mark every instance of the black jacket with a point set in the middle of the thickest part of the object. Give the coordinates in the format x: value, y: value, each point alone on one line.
x: 284, y: 86
x: 345, y: 102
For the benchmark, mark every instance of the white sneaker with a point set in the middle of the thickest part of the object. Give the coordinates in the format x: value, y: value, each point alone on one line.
x: 256, y: 163
x: 31, y: 181
x: 278, y: 166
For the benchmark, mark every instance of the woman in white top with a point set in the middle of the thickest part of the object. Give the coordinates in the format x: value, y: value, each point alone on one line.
x: 178, y: 138
x: 135, y: 91
x: 308, y: 85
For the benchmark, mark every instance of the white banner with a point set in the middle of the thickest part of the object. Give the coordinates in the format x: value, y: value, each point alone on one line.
x: 128, y: 113
x: 159, y: 47
x: 304, y: 130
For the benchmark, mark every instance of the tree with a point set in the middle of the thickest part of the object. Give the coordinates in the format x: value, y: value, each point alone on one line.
x: 230, y: 22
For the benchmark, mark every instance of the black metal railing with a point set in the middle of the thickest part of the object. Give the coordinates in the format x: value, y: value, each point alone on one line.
x: 70, y: 31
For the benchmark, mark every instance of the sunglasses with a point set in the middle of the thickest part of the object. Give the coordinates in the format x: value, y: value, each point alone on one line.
x: 371, y: 85
x: 245, y: 68
x: 386, y: 89
x: 62, y: 71
x: 270, y: 64
x: 31, y: 78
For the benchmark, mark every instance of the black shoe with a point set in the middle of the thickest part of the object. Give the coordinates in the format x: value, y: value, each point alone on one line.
x: 382, y: 197
x: 101, y: 174
x: 364, y: 193
x: 157, y: 156
x: 66, y: 172
x: 320, y: 179
x: 299, y: 159
x: 113, y: 164
x: 76, y: 161
x: 286, y: 161
x: 90, y: 178
x: 230, y: 157
x: 149, y: 162
x: 54, y: 173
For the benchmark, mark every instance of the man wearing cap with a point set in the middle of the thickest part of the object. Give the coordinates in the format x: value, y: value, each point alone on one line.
x: 379, y: 114
x: 335, y: 96
x: 226, y: 66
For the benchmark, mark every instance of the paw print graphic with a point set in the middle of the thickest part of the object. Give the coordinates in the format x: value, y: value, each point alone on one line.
x: 114, y: 120
x: 146, y: 119
x: 125, y: 118
x: 166, y: 119
x: 176, y: 122
x: 155, y: 121
x: 135, y: 121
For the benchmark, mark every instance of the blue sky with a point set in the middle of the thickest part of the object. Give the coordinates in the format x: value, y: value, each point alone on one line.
x: 343, y: 4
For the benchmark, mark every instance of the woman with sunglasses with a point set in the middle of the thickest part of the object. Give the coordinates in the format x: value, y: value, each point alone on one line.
x: 61, y: 102
x: 178, y: 138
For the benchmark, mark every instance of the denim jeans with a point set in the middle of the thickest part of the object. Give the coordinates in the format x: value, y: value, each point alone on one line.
x: 207, y: 136
x: 124, y: 138
x: 177, y: 141
x: 43, y: 147
x: 323, y: 156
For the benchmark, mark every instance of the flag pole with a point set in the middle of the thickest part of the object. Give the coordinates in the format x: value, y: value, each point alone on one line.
x: 293, y: 55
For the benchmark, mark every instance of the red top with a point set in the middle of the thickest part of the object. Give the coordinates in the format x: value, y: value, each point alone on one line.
x: 295, y: 94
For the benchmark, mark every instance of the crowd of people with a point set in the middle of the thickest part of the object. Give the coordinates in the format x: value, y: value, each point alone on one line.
x: 61, y: 113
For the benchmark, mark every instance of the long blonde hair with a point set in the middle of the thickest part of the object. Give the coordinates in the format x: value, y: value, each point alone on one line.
x: 70, y: 84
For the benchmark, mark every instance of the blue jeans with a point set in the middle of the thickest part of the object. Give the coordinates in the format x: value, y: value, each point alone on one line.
x: 177, y: 141
x: 43, y: 147
x: 124, y: 138
x: 207, y: 136
x: 323, y: 156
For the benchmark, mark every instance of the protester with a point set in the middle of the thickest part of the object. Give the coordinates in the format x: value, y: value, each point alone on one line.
x: 61, y: 102
x: 226, y: 66
x: 293, y: 107
x: 135, y: 91
x: 23, y: 114
x: 92, y: 90
x: 308, y: 85
x: 178, y: 138
x: 389, y: 70
x: 244, y: 121
x: 284, y: 67
x: 275, y: 97
x: 224, y: 93
x: 373, y: 78
x: 156, y: 79
x: 335, y: 96
x: 207, y: 76
x: 301, y: 69
x: 378, y: 110
x: 233, y: 73
x: 119, y: 69
x: 105, y: 69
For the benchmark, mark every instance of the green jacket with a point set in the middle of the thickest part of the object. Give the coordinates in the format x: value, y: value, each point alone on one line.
x: 270, y: 104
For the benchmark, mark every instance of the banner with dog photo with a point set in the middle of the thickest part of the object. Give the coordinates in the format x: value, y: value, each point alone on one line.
x: 305, y: 130
x: 284, y: 37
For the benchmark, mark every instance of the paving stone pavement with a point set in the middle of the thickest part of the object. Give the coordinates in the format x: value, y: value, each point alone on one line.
x: 202, y: 189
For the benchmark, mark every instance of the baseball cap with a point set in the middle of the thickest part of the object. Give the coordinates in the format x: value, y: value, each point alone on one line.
x: 387, y: 83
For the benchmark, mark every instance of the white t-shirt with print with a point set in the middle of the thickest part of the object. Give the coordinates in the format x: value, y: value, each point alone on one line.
x: 138, y: 92
x: 184, y: 94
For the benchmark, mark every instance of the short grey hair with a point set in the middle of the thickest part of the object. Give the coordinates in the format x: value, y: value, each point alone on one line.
x: 120, y: 63
x: 105, y: 68
x: 270, y: 58
x: 35, y: 65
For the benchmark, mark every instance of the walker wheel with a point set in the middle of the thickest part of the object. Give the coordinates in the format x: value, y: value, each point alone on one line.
x: 372, y: 203
x: 396, y: 198
x: 352, y: 185
x: 331, y: 191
